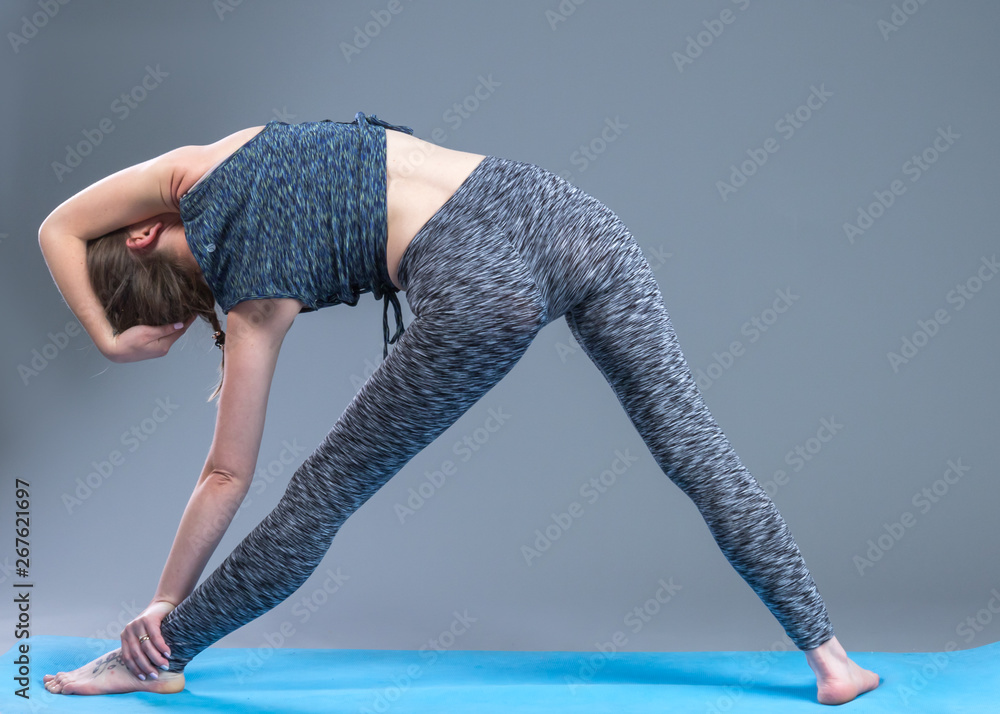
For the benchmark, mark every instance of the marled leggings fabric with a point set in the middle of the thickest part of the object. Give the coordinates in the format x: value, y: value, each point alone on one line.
x: 513, y: 249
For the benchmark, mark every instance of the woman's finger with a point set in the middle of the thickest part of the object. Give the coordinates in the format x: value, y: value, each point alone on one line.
x: 184, y: 324
x: 154, y: 647
x: 171, y: 330
x: 144, y: 667
x: 129, y: 642
x: 163, y: 337
x: 159, y: 645
x: 165, y: 342
x: 157, y: 661
x: 136, y: 659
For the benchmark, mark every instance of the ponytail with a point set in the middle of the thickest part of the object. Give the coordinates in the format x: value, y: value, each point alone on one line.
x: 220, y: 342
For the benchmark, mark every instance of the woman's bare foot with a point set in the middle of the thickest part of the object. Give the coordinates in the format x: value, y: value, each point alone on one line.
x: 838, y: 679
x: 109, y: 675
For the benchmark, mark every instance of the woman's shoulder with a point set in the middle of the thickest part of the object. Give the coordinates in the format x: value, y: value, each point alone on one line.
x: 194, y: 162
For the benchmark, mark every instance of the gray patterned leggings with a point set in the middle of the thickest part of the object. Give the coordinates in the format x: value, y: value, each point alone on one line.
x: 513, y: 249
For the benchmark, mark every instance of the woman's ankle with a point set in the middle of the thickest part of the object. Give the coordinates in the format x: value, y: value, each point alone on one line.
x: 828, y: 655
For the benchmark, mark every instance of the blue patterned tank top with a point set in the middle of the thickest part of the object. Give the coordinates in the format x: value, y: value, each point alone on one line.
x: 298, y: 211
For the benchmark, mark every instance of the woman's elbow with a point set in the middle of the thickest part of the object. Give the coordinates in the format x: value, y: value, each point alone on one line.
x: 229, y: 478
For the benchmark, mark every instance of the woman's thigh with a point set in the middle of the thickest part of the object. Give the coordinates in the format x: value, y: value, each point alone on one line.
x: 476, y: 310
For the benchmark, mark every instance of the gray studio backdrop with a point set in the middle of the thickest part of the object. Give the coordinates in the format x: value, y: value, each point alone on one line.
x: 814, y: 185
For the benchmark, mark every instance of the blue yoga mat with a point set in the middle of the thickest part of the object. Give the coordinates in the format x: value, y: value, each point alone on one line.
x: 480, y: 682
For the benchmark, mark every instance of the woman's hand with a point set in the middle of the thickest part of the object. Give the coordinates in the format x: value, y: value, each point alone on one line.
x: 144, y: 658
x: 145, y: 341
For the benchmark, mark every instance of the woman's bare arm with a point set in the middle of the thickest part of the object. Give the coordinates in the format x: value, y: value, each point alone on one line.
x: 119, y: 200
x: 254, y: 333
x: 255, y: 330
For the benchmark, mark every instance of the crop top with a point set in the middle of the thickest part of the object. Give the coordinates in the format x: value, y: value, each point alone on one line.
x: 298, y: 211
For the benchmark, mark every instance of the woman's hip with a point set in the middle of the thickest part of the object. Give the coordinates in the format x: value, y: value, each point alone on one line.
x: 568, y: 242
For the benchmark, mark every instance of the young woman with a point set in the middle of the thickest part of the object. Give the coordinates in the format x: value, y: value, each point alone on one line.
x: 285, y: 218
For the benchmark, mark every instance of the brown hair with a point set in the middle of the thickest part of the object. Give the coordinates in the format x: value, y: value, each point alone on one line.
x: 148, y: 288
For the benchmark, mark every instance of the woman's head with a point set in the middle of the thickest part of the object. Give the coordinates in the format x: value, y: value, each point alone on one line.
x: 140, y: 281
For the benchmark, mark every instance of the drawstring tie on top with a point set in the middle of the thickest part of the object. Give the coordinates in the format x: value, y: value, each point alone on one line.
x: 383, y: 288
